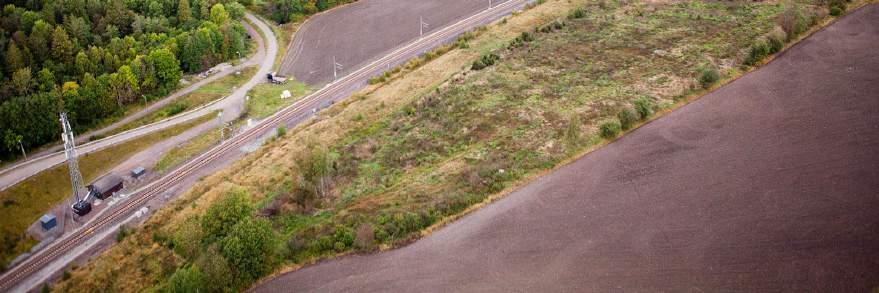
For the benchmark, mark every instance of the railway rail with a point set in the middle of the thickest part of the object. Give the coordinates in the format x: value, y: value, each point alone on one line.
x: 299, y: 109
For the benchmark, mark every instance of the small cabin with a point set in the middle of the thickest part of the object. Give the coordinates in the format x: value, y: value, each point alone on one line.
x: 105, y: 186
x: 48, y: 221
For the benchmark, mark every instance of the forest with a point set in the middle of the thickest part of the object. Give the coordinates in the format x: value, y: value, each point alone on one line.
x: 92, y: 58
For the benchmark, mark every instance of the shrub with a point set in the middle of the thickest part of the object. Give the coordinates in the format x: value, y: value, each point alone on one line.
x: 759, y: 49
x: 628, y: 117
x: 708, y: 75
x: 835, y: 11
x: 644, y: 106
x: 364, y: 237
x: 776, y: 37
x: 224, y: 214
x: 186, y: 279
x: 577, y: 13
x: 281, y: 131
x: 610, y: 129
x: 486, y: 61
x: 249, y: 248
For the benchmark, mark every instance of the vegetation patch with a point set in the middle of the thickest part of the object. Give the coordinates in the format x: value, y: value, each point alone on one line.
x: 25, y: 202
x: 381, y: 178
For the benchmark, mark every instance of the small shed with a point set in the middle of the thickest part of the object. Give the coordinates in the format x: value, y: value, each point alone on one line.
x: 137, y: 172
x: 48, y: 221
x: 105, y: 186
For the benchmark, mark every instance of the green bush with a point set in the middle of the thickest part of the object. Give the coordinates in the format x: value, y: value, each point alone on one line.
x: 835, y: 11
x: 486, y: 61
x: 610, y: 129
x: 628, y: 117
x: 708, y: 75
x: 281, y: 131
x: 644, y: 106
x: 776, y: 37
x: 577, y: 13
x: 759, y: 49
x: 224, y: 214
x: 249, y: 248
x: 186, y: 279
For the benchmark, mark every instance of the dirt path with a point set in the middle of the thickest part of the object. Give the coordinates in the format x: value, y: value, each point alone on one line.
x: 370, y: 29
x: 768, y: 184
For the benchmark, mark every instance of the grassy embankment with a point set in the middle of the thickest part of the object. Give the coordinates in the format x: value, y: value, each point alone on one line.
x: 26, y: 201
x: 404, y: 156
x: 203, y: 95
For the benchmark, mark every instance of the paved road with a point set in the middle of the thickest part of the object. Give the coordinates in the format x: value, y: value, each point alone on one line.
x: 360, y: 32
x: 768, y: 184
x: 231, y: 106
x: 36, y: 269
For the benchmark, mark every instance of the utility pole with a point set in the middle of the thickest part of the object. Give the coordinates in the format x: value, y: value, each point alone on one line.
x: 336, y: 67
x: 76, y: 181
x: 422, y: 26
x: 22, y: 148
x: 489, y: 4
x: 220, y: 122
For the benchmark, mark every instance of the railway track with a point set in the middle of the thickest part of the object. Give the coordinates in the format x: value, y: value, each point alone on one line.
x: 299, y: 109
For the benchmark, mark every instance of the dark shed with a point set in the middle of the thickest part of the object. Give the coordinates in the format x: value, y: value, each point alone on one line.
x: 105, y: 186
x: 48, y: 221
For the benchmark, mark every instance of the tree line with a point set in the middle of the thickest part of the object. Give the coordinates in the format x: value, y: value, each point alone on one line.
x: 91, y: 58
x: 284, y: 11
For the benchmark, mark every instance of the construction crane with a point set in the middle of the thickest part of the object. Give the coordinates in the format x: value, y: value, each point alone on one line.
x: 81, y: 206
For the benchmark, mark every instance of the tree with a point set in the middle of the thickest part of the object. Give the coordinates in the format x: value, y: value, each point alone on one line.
x: 165, y: 66
x: 185, y: 280
x: 123, y: 85
x: 11, y: 140
x: 21, y: 81
x: 62, y: 47
x: 14, y: 58
x: 39, y: 40
x: 249, y: 248
x: 184, y: 13
x: 82, y: 64
x: 218, y: 14
x: 223, y: 215
x: 46, y: 80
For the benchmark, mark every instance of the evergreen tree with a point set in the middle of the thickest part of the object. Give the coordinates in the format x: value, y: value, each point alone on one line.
x: 62, y: 47
x: 14, y: 58
x: 184, y: 13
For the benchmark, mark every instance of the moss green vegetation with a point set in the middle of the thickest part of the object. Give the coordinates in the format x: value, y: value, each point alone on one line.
x: 540, y: 102
x: 265, y: 99
x: 26, y: 201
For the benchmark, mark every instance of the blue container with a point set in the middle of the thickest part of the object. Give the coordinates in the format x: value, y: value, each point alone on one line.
x: 48, y: 222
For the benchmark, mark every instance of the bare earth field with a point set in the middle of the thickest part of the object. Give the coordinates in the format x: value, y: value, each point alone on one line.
x: 370, y: 27
x: 767, y: 184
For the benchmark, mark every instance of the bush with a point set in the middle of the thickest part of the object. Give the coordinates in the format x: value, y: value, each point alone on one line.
x: 486, y: 61
x: 644, y: 106
x: 610, y: 129
x: 708, y: 75
x: 628, y: 117
x: 224, y: 214
x: 776, y: 37
x: 249, y: 248
x: 365, y: 237
x: 835, y: 11
x: 281, y: 131
x: 186, y: 279
x: 759, y: 49
x: 577, y: 13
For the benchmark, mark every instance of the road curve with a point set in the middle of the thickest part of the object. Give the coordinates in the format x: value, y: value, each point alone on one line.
x: 768, y: 184
x: 231, y: 106
x: 18, y: 277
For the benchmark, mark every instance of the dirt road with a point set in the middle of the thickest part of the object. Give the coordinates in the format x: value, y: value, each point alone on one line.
x: 768, y: 184
x: 369, y: 29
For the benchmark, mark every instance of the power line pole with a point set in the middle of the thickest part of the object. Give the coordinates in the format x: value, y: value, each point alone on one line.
x: 220, y: 122
x: 76, y: 181
x: 23, y: 153
x: 489, y: 4
x: 336, y: 67
x: 422, y: 26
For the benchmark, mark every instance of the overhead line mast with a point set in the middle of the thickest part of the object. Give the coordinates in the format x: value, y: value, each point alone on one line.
x: 80, y: 205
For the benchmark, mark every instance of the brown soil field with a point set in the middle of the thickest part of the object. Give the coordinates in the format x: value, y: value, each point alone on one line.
x: 368, y: 29
x: 768, y: 184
